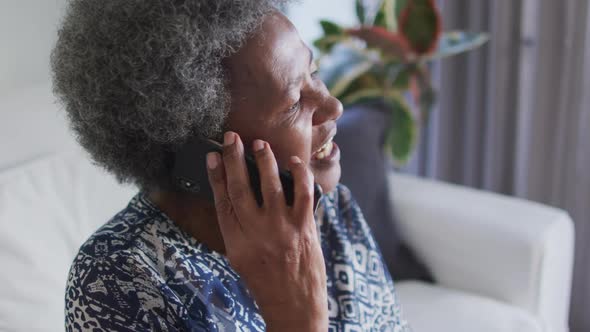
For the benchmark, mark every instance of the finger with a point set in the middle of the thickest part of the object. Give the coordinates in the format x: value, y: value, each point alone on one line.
x: 270, y: 183
x: 228, y: 224
x: 238, y: 182
x: 303, y: 184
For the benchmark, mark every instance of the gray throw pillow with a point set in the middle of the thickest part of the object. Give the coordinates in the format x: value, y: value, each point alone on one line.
x: 361, y: 133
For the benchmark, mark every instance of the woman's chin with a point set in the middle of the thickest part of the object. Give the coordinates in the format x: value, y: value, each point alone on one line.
x: 327, y: 170
x: 327, y: 178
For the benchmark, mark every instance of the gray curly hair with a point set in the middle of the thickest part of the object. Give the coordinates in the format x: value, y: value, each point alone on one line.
x: 139, y: 78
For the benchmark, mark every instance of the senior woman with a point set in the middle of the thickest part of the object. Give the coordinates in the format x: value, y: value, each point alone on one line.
x: 140, y: 78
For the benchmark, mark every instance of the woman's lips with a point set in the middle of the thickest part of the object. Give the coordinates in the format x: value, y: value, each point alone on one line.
x: 333, y: 157
x: 325, y: 150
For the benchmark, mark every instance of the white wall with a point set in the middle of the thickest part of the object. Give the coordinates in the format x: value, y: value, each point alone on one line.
x: 28, y: 30
x: 31, y: 124
x: 307, y: 14
x: 27, y: 33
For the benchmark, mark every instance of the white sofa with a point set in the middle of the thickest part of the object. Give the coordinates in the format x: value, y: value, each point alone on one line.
x: 501, y: 264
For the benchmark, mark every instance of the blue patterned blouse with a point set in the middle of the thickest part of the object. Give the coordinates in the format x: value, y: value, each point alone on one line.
x: 139, y: 272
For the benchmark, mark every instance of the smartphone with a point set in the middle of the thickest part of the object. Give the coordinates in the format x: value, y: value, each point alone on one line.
x: 190, y: 172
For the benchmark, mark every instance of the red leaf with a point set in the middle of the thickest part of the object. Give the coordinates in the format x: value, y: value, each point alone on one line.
x: 389, y: 43
x: 421, y: 24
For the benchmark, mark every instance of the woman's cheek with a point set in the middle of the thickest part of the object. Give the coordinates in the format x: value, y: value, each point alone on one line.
x: 294, y: 140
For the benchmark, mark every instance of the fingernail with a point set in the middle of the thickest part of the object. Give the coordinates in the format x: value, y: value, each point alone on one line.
x: 229, y: 138
x: 212, y: 160
x: 295, y: 160
x: 257, y: 145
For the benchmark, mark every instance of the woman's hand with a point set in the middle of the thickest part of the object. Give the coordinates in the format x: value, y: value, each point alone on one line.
x: 275, y: 248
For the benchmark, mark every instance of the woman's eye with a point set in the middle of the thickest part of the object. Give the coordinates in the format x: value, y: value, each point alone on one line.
x: 315, y: 74
x: 295, y: 107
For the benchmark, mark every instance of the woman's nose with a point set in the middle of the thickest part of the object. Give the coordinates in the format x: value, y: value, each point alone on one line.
x: 330, y: 110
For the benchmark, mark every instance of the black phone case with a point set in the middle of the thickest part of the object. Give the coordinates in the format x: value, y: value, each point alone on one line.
x: 190, y: 172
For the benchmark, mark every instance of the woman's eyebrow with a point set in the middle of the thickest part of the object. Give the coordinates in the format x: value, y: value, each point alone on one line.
x: 297, y: 81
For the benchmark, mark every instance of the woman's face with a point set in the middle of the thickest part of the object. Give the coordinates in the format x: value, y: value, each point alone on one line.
x: 277, y: 97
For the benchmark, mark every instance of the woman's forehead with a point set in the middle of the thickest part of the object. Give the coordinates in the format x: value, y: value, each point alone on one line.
x: 273, y: 58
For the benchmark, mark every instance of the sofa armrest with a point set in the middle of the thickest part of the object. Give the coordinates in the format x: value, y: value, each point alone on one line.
x: 509, y: 249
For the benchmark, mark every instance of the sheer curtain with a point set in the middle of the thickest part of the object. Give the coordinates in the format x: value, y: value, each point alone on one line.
x: 514, y: 116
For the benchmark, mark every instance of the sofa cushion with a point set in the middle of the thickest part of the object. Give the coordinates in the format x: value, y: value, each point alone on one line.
x: 434, y: 308
x: 48, y: 208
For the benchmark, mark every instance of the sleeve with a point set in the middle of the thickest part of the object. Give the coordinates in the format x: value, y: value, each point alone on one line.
x: 115, y: 293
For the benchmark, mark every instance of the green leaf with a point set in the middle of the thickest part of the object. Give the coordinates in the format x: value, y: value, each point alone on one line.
x: 331, y: 28
x: 397, y: 75
x: 360, y: 11
x: 402, y: 79
x: 400, y: 5
x: 420, y: 23
x: 389, y: 11
x: 380, y: 20
x: 368, y: 80
x: 388, y: 14
x: 401, y: 138
x: 342, y: 66
x: 385, y: 16
x: 456, y: 42
x: 326, y: 43
x: 363, y: 95
x: 344, y: 80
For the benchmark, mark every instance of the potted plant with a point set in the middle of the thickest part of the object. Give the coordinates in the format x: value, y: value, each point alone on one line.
x: 385, y: 59
x: 379, y: 71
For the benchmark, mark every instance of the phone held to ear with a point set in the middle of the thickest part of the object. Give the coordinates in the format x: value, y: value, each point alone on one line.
x: 190, y: 172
